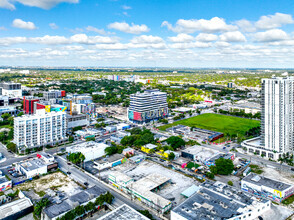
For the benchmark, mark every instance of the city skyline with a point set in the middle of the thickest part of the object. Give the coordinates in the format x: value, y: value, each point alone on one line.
x: 119, y: 33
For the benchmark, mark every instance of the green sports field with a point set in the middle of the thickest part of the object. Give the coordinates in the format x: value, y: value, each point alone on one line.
x: 228, y: 125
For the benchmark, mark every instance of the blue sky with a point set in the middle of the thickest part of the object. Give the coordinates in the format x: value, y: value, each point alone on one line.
x: 153, y: 33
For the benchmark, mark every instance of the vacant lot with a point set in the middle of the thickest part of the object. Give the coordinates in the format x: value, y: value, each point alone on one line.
x: 49, y: 184
x: 228, y: 125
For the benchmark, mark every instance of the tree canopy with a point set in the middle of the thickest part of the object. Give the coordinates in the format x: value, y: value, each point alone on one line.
x: 222, y: 166
x: 175, y: 142
x: 76, y: 157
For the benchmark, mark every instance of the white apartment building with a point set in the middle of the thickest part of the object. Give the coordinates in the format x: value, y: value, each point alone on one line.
x: 147, y: 106
x: 11, y: 89
x: 277, y: 114
x: 40, y: 129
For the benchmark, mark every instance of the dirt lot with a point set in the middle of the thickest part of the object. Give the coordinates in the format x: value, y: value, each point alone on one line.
x: 49, y: 184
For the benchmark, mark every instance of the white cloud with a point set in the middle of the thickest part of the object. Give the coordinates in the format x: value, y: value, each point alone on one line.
x: 18, y: 23
x: 3, y: 28
x: 58, y: 40
x: 44, y: 4
x: 206, y: 37
x: 234, y: 36
x: 131, y: 29
x: 213, y: 25
x: 245, y: 25
x: 222, y: 44
x: 99, y: 31
x: 53, y: 26
x: 53, y: 40
x: 274, y: 21
x: 271, y: 35
x: 146, y: 39
x: 6, y: 41
x: 84, y: 39
x: 190, y: 45
x: 116, y: 46
x: 181, y: 38
x: 126, y: 7
x: 6, y: 4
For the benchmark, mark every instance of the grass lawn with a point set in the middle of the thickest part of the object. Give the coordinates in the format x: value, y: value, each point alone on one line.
x: 215, y: 122
x: 289, y: 200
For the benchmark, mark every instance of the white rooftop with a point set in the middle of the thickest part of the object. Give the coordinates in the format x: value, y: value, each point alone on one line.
x: 11, y: 208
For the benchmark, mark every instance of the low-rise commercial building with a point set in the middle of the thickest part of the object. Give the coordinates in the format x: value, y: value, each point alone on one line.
x: 112, y: 161
x: 129, y: 151
x: 37, y: 166
x: 148, y: 148
x: 247, y: 107
x: 143, y: 189
x: 118, y: 136
x: 124, y: 212
x: 16, y: 209
x: 205, y: 155
x: 219, y: 201
x: 5, y: 183
x: 56, y: 211
x: 88, y: 133
x: 266, y: 188
x: 91, y: 150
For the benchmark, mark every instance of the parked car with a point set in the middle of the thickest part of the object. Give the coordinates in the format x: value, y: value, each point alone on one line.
x: 68, y: 173
x: 224, y: 147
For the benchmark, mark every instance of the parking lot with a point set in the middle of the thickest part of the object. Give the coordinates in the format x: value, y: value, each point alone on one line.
x: 13, y: 174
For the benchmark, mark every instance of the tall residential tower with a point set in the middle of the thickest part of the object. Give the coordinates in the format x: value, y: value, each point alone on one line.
x: 277, y: 120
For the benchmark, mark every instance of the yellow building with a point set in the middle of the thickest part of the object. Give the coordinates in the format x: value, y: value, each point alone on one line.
x: 148, y: 147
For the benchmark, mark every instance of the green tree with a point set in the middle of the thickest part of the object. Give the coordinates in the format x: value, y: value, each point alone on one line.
x: 90, y: 139
x: 224, y: 166
x: 76, y: 157
x: 171, y: 156
x: 79, y: 210
x: 175, y: 142
x: 111, y: 150
x: 20, y: 114
x: 210, y: 175
x: 5, y: 116
x: 146, y: 213
x: 38, y: 207
x: 90, y: 206
x: 12, y: 146
x: 71, y: 139
x: 230, y: 183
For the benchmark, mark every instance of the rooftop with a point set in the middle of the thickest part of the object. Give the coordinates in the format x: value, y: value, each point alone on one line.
x: 150, y: 146
x: 124, y: 212
x: 71, y: 202
x: 3, y: 179
x: 11, y: 208
x: 32, y: 164
x: 202, y: 153
x: 263, y: 181
x: 89, y: 146
x: 110, y: 159
x: 217, y: 201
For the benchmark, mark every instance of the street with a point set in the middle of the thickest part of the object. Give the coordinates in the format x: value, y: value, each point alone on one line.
x: 82, y: 177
